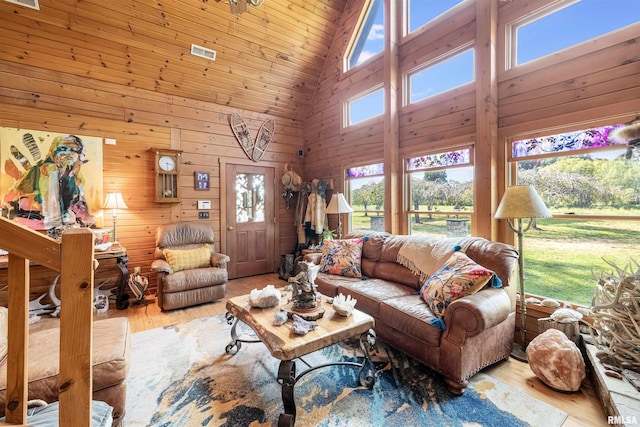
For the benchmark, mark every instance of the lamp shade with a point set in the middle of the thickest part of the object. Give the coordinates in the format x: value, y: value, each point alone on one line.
x: 114, y: 201
x: 338, y: 204
x: 522, y: 201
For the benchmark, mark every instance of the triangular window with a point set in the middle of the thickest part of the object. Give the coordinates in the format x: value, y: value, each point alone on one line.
x: 370, y: 38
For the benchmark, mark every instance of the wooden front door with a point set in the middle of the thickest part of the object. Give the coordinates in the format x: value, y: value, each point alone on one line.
x: 250, y: 220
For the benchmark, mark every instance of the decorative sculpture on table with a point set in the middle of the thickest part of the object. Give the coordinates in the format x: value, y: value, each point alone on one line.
x: 304, y: 293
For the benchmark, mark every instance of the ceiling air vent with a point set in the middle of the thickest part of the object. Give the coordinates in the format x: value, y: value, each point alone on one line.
x: 33, y: 4
x: 203, y: 52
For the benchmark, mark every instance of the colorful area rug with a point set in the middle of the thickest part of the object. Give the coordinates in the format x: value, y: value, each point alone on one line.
x: 181, y: 376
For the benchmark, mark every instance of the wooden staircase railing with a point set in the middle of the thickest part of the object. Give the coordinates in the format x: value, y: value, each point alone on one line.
x: 73, y: 259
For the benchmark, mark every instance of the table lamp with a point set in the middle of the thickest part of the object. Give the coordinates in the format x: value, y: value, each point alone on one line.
x: 338, y: 205
x: 114, y: 201
x: 520, y: 202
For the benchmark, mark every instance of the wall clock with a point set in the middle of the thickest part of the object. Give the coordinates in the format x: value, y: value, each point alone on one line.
x: 167, y: 165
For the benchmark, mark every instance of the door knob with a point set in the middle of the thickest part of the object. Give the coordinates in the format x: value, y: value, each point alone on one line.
x: 230, y: 227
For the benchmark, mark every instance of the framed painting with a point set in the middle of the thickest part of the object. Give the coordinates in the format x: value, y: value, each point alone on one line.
x: 201, y: 181
x: 48, y: 180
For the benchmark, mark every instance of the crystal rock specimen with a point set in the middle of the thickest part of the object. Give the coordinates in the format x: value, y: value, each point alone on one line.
x: 556, y: 360
x: 301, y: 326
x: 267, y: 297
x: 280, y: 318
x: 344, y: 305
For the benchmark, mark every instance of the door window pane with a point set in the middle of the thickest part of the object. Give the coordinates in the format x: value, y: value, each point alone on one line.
x: 250, y: 198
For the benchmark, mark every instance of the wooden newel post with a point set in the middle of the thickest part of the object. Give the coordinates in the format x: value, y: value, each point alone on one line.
x: 76, y: 331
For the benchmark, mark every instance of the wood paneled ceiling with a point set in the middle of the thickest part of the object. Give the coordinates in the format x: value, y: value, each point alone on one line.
x: 269, y: 59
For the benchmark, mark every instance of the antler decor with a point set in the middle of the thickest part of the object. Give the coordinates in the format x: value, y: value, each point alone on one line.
x: 616, y: 315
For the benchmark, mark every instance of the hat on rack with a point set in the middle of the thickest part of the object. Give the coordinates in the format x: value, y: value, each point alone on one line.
x: 291, y: 180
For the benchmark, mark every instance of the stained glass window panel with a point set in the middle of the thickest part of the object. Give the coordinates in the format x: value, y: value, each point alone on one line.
x: 568, y: 141
x: 430, y: 161
x: 368, y: 170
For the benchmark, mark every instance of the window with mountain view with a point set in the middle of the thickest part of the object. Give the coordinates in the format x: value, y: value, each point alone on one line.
x: 591, y: 183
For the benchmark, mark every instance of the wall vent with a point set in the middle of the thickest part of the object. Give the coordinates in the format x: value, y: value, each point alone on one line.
x: 203, y: 52
x: 33, y: 4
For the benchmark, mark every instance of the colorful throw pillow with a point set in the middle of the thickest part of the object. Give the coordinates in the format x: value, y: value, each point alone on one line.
x: 342, y: 257
x: 459, y: 276
x: 188, y: 259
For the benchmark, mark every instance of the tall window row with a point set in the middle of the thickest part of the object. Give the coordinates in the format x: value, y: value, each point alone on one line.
x: 589, y: 179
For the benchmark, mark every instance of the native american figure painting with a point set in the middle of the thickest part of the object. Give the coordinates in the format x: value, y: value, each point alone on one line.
x: 50, y: 181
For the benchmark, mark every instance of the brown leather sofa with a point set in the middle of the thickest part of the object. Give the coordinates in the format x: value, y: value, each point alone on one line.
x: 191, y: 286
x: 479, y: 328
x: 111, y: 349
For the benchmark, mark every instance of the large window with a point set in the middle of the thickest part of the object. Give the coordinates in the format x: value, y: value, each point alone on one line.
x: 420, y: 12
x: 568, y: 23
x: 370, y: 37
x: 365, y: 189
x: 593, y: 191
x: 364, y: 107
x: 436, y: 78
x: 440, y: 188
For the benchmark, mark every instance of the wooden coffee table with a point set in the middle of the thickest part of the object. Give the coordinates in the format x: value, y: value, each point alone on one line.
x: 286, y: 346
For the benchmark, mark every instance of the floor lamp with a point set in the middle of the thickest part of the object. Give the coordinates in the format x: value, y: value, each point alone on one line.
x: 521, y: 202
x: 114, y: 201
x: 338, y: 205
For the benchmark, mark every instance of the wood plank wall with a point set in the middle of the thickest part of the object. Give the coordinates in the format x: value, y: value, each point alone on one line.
x: 592, y: 84
x: 121, y: 70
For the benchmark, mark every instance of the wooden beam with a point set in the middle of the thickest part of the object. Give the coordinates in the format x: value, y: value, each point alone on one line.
x: 76, y: 328
x: 485, y: 200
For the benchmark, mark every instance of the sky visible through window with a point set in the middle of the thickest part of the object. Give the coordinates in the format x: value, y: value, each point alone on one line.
x: 578, y: 22
x: 574, y: 24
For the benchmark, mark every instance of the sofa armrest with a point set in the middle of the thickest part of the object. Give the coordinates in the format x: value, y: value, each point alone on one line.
x: 472, y: 314
x: 161, y: 266
x: 313, y: 258
x: 220, y: 260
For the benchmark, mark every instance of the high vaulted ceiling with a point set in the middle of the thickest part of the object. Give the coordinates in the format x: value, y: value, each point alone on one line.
x: 269, y: 59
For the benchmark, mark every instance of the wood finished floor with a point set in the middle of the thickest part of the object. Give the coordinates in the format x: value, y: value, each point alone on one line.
x: 583, y: 406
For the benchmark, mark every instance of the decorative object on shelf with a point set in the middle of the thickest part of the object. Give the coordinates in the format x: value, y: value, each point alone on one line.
x: 338, y: 205
x: 253, y: 149
x: 269, y: 296
x: 201, y: 181
x: 167, y: 168
x: 344, y: 305
x: 521, y: 202
x: 615, y: 309
x: 556, y: 361
x: 565, y: 320
x: 114, y: 202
